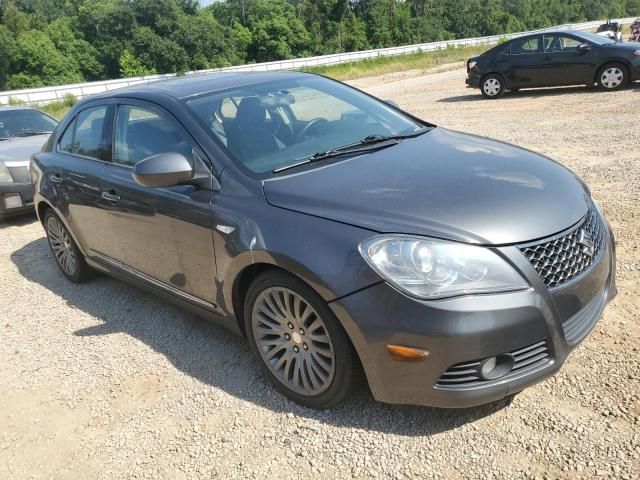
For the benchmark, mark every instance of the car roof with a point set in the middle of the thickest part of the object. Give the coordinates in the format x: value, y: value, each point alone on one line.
x: 195, y: 84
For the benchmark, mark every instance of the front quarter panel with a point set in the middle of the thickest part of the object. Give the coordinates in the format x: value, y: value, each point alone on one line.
x: 321, y: 252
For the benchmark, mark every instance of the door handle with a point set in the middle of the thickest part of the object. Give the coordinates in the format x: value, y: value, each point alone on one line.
x: 111, y: 197
x: 55, y: 178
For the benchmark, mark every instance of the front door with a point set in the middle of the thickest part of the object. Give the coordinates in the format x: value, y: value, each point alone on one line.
x: 566, y: 63
x: 162, y: 235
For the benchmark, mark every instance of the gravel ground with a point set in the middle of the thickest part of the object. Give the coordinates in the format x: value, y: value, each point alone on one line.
x: 103, y: 381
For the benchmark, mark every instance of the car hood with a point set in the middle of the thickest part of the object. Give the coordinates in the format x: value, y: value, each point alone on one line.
x: 442, y: 184
x: 20, y: 149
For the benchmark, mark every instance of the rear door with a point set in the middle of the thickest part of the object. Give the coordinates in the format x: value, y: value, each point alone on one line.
x: 527, y: 64
x: 82, y: 151
x: 565, y: 63
x: 162, y: 235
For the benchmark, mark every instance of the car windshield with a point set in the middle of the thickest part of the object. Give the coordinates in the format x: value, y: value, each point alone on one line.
x: 270, y: 125
x: 593, y: 38
x: 24, y: 122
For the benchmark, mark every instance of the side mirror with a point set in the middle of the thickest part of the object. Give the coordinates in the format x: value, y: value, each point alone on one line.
x: 162, y: 170
x: 584, y: 47
x: 392, y: 103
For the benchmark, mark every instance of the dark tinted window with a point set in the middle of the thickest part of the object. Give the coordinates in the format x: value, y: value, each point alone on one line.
x: 141, y: 132
x: 523, y: 46
x: 89, y: 138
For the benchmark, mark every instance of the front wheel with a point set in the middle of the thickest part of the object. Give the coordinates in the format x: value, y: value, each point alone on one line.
x: 612, y: 77
x: 492, y: 86
x: 298, y: 342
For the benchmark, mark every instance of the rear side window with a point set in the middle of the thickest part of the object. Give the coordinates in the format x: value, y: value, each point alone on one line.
x: 85, y: 134
x: 141, y: 132
x: 528, y: 45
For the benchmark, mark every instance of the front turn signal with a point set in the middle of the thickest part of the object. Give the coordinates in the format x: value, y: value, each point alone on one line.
x: 406, y: 354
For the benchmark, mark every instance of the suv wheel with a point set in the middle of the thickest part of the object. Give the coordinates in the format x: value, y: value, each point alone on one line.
x: 612, y: 76
x: 492, y: 86
x: 298, y: 341
x: 64, y: 249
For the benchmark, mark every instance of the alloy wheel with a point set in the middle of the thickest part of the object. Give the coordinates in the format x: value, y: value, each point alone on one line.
x: 61, y: 245
x: 293, y: 341
x: 612, y: 77
x: 491, y: 87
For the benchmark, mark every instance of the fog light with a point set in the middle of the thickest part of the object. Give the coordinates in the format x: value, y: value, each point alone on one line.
x: 12, y: 200
x: 496, y: 367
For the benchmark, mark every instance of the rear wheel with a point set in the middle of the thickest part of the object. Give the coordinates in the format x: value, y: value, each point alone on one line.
x: 492, y: 86
x: 613, y: 76
x: 65, y: 251
x: 298, y: 341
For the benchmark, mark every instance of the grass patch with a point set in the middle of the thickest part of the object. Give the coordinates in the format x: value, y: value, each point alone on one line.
x: 399, y: 63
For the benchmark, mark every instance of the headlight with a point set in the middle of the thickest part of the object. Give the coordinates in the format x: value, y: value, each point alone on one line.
x: 471, y: 64
x: 431, y: 269
x: 5, y: 175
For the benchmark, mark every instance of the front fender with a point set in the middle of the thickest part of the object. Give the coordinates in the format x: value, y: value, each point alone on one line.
x: 321, y: 252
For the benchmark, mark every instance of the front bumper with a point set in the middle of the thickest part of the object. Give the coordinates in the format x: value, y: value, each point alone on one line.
x: 473, y: 79
x: 539, y: 322
x: 15, y: 199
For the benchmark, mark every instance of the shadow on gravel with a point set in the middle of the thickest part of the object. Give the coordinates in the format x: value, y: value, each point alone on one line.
x: 20, y: 221
x: 537, y: 93
x: 214, y: 356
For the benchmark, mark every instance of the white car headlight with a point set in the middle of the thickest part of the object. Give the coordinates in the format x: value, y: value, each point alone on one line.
x: 431, y: 269
x: 5, y: 175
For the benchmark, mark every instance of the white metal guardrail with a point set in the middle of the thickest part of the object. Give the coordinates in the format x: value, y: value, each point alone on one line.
x: 81, y: 90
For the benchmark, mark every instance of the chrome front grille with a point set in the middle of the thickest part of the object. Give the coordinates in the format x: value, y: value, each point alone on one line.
x: 467, y: 375
x: 565, y: 257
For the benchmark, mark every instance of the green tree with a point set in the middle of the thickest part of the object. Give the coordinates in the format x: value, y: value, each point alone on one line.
x: 130, y: 66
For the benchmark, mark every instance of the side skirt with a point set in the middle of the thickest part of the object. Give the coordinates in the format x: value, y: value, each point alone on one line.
x: 168, y: 293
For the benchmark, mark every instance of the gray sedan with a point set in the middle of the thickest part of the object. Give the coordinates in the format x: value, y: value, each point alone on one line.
x: 23, y: 132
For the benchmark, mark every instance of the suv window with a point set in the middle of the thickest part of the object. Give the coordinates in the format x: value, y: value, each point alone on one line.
x: 85, y: 134
x: 529, y: 45
x: 141, y: 132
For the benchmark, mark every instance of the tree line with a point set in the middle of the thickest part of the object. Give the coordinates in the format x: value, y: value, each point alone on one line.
x: 53, y: 42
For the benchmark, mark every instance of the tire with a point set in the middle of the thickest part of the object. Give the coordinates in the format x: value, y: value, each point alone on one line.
x: 65, y: 251
x: 492, y: 86
x: 613, y: 76
x: 318, y: 372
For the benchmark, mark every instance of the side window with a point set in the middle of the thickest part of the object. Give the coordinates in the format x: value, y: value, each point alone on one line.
x: 142, y: 132
x: 528, y: 45
x: 66, y: 141
x: 89, y: 137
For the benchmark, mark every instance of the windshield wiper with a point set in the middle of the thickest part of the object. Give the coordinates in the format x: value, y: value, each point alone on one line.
x: 367, y: 144
x: 32, y: 133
